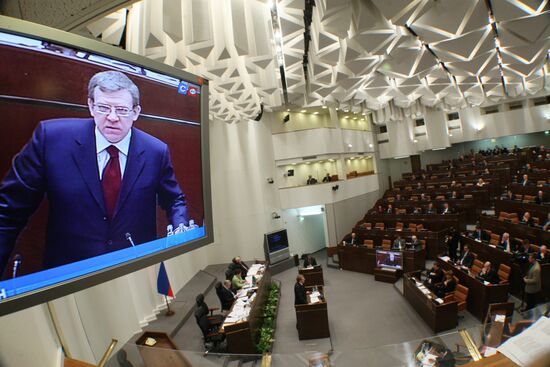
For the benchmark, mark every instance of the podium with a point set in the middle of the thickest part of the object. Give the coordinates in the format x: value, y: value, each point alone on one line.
x: 314, y: 276
x: 312, y: 319
x: 163, y: 353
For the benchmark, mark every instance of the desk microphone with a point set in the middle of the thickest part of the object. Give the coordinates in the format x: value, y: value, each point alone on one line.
x: 17, y: 260
x: 129, y: 238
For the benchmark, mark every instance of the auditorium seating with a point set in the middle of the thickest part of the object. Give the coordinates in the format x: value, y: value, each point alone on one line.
x: 504, y: 273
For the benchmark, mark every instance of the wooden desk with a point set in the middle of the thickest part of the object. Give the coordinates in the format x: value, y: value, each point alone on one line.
x: 498, y: 360
x: 468, y: 206
x: 439, y: 317
x: 533, y: 234
x: 516, y: 206
x: 481, y: 196
x: 480, y: 296
x: 434, y: 222
x: 387, y: 275
x: 435, y: 240
x: 312, y: 319
x: 163, y: 353
x: 242, y: 337
x: 314, y: 276
x: 363, y: 260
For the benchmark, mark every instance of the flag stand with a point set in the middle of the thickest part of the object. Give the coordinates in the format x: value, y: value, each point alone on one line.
x: 169, y: 312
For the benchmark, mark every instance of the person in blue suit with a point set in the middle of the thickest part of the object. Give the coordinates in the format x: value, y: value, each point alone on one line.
x: 102, y: 177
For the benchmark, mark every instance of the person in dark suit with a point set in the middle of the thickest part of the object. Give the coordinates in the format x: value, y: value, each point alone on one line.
x: 415, y: 243
x: 435, y: 275
x: 447, y: 286
x: 526, y: 219
x: 300, y: 294
x: 237, y: 263
x: 103, y: 178
x: 225, y: 294
x: 455, y: 195
x: 506, y: 244
x: 452, y: 242
x: 353, y: 240
x: 389, y: 210
x: 488, y: 274
x: 480, y: 234
x: 467, y: 258
x: 543, y: 256
x: 309, y: 261
x: 399, y: 243
x: 525, y: 181
x: 508, y: 196
x: 310, y: 180
x: 327, y: 177
x: 540, y: 199
x: 546, y: 226
x: 446, y: 209
x: 430, y: 209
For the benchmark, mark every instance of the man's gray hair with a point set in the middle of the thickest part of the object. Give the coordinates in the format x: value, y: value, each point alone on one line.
x: 113, y: 81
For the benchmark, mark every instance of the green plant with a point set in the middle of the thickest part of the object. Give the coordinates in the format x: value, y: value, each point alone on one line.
x: 269, y: 318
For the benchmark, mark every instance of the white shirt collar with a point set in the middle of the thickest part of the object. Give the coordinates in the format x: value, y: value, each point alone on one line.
x: 101, y: 143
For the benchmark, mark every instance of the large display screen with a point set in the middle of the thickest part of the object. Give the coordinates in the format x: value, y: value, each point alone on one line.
x: 389, y: 259
x: 277, y: 241
x: 103, y: 163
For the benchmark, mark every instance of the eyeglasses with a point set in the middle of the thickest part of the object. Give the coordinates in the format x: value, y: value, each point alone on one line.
x: 120, y: 111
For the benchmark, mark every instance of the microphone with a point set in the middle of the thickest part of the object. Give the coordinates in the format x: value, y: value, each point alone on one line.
x: 17, y: 260
x: 129, y: 238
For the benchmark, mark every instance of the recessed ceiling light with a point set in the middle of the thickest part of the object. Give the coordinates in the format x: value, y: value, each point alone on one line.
x: 288, y: 110
x: 303, y: 111
x: 355, y: 118
x: 316, y: 112
x: 324, y: 106
x: 415, y: 141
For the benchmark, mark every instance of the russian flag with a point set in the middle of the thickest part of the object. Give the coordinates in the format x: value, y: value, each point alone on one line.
x: 163, y: 283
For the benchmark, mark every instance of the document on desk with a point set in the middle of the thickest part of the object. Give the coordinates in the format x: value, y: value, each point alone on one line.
x: 254, y: 269
x: 529, y: 346
x: 445, y: 258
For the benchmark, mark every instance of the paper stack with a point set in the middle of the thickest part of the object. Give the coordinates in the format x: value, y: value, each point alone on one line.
x: 529, y: 346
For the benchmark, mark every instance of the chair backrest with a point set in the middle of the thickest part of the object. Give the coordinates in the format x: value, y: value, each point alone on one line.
x: 390, y: 199
x: 502, y: 216
x: 412, y: 226
x: 444, y: 187
x: 536, y: 220
x: 423, y: 243
x: 440, y: 197
x: 495, y: 236
x: 541, y: 182
x: 468, y: 196
x: 386, y: 244
x: 420, y: 227
x: 461, y: 293
x: 399, y: 225
x: 414, y: 198
x: 379, y: 225
x: 494, y: 242
x: 229, y: 274
x: 368, y: 243
x: 504, y: 272
x: 430, y: 187
x: 518, y: 196
x: 528, y: 198
x: 477, y: 266
x: 469, y: 184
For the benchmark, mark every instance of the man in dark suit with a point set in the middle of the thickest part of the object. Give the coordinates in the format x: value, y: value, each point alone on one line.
x: 480, y: 234
x: 453, y: 240
x: 237, y: 263
x: 309, y: 261
x: 540, y: 199
x: 353, y: 241
x: 446, y: 209
x: 467, y: 258
x: 415, y: 243
x: 526, y: 219
x: 102, y: 177
x: 430, y: 209
x: 447, y: 286
x: 435, y: 275
x: 506, y: 244
x: 300, y: 294
x: 225, y: 294
x: 488, y: 274
x: 543, y: 256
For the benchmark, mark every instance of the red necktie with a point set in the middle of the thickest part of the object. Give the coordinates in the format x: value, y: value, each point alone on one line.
x: 111, y: 181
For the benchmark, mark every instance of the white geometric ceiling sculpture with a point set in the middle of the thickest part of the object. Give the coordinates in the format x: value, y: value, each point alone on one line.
x: 362, y: 55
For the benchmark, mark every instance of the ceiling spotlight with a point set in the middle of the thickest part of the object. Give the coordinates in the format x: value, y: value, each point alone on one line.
x: 370, y: 145
x: 337, y: 108
x: 308, y: 162
x: 316, y: 112
x: 303, y: 111
x: 350, y: 146
x: 288, y: 110
x: 415, y: 141
x: 324, y: 106
x: 450, y: 134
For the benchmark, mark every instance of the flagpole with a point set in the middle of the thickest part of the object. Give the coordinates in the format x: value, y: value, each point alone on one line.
x: 169, y: 312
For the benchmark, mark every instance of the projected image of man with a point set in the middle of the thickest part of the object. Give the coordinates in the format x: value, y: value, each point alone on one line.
x: 103, y: 178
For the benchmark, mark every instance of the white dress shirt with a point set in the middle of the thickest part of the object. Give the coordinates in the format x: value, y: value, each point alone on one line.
x: 103, y: 156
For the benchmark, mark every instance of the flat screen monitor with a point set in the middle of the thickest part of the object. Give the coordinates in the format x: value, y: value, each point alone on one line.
x: 104, y: 163
x: 389, y: 259
x: 276, y: 246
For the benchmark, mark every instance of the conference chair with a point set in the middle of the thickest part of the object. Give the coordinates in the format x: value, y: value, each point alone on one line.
x: 399, y: 226
x: 212, y: 337
x: 219, y: 289
x: 469, y: 184
x: 368, y: 243
x: 504, y: 273
x: 420, y: 227
x: 528, y: 199
x: 468, y: 196
x: 513, y: 217
x: 443, y: 187
x: 366, y: 225
x: 460, y: 296
x: 386, y: 244
x: 430, y: 187
x: 423, y: 244
x: 476, y: 267
x: 412, y: 226
x: 390, y: 199
x: 440, y: 197
x: 518, y: 197
x: 379, y: 226
x: 229, y: 274
x: 414, y: 198
x: 502, y: 216
x: 495, y: 239
x: 541, y: 183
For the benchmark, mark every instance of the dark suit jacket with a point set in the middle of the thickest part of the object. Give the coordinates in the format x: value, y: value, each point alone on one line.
x: 482, y: 235
x: 60, y: 161
x: 491, y: 277
x: 467, y: 259
x: 307, y: 262
x: 227, y: 297
x: 503, y: 245
x: 300, y: 296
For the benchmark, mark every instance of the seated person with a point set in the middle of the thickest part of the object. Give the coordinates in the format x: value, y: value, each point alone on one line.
x: 525, y: 248
x: 480, y: 183
x: 415, y: 243
x: 430, y: 209
x: 309, y: 260
x: 467, y: 258
x: 310, y: 180
x: 488, y: 274
x: 398, y: 197
x: 327, y: 178
x: 389, y: 210
x: 486, y: 171
x: 419, y: 186
x: 480, y: 234
x: 506, y: 244
x: 447, y: 286
x: 525, y: 181
x: 225, y: 294
x: 423, y: 196
x: 237, y: 263
x: 508, y: 196
x: 435, y: 275
x: 526, y: 219
x: 353, y: 240
x: 380, y: 209
x: 543, y: 256
x: 453, y: 183
x: 237, y: 282
x: 454, y: 195
x: 546, y: 226
x: 417, y: 210
x: 399, y: 243
x: 446, y: 209
x: 540, y: 199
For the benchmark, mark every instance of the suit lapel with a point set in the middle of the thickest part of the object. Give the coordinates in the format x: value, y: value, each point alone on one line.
x: 134, y: 167
x: 85, y: 157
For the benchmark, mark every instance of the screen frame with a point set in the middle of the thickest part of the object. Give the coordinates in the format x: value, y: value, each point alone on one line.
x: 37, y: 31
x: 268, y: 244
x: 388, y: 251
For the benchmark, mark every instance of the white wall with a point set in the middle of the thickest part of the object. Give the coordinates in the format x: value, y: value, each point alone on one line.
x: 306, y: 234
